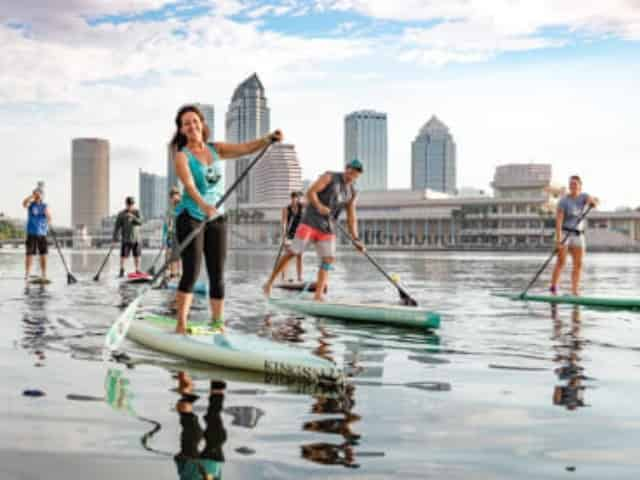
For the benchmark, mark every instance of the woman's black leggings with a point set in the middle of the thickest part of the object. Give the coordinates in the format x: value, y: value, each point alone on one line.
x: 212, y: 242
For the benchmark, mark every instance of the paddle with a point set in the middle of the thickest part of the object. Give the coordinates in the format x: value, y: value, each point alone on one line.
x: 118, y: 330
x: 152, y: 270
x: 97, y: 276
x: 70, y: 278
x: 284, y: 238
x: 406, y: 298
x: 554, y: 253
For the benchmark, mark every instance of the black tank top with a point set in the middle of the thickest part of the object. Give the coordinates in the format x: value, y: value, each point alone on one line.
x: 293, y: 218
x: 336, y: 196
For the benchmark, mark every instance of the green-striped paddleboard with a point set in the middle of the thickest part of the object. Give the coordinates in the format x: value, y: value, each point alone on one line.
x: 232, y: 350
x: 397, y: 315
x: 627, y: 303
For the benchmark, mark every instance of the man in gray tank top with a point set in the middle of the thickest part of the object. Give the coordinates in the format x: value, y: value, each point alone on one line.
x: 327, y: 197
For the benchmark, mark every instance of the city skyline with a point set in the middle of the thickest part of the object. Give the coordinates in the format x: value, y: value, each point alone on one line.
x: 410, y: 60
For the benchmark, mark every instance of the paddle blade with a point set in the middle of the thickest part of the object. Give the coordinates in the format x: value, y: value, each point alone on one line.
x: 71, y: 279
x: 96, y: 278
x: 119, y: 329
x: 406, y: 299
x: 152, y: 270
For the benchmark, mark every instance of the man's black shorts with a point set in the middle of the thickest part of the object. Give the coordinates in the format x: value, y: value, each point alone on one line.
x: 36, y: 244
x: 128, y: 248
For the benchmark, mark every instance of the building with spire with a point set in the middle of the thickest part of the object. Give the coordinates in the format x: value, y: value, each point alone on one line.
x: 433, y: 158
x: 247, y: 118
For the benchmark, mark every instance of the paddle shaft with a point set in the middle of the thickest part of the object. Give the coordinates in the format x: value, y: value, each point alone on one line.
x: 152, y: 269
x: 194, y: 233
x: 104, y: 262
x: 403, y: 293
x: 70, y: 277
x: 554, y: 253
x: 284, y: 238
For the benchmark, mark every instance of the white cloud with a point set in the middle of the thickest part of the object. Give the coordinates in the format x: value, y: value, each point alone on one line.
x: 477, y: 30
x: 124, y: 82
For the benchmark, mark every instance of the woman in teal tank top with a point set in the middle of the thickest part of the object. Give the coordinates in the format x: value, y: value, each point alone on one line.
x: 199, y: 168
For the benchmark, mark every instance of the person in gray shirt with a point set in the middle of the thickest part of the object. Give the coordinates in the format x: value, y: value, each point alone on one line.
x: 128, y: 223
x: 569, y: 222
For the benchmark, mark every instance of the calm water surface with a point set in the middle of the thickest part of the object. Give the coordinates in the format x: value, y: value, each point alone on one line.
x: 503, y: 390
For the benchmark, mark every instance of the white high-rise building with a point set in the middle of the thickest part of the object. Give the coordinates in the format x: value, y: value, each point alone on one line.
x: 433, y: 158
x: 365, y: 138
x: 278, y: 174
x: 89, y: 182
x: 247, y: 119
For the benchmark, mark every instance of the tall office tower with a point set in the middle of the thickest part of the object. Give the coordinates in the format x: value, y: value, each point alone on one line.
x: 246, y: 119
x: 153, y: 195
x: 433, y: 158
x: 365, y: 138
x: 278, y: 174
x: 89, y: 182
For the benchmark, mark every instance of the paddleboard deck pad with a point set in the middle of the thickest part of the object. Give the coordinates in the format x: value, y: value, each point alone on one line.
x: 627, y: 303
x: 140, y: 277
x: 200, y: 287
x: 297, y: 286
x: 232, y: 350
x: 396, y: 315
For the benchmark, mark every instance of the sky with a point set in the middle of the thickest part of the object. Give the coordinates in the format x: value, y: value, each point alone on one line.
x: 549, y: 81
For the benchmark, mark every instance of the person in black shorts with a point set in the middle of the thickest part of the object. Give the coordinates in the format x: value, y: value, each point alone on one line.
x: 128, y: 222
x: 39, y: 218
x: 291, y: 215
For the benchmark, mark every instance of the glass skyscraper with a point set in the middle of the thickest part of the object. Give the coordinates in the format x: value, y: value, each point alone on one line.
x: 365, y: 138
x: 247, y: 119
x: 153, y: 195
x: 433, y: 158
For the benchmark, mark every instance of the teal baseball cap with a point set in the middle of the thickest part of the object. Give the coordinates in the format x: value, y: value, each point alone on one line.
x: 356, y: 165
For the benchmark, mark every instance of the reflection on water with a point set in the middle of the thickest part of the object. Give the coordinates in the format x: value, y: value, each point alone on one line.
x: 194, y: 461
x: 476, y: 393
x: 568, y: 354
x: 342, y: 451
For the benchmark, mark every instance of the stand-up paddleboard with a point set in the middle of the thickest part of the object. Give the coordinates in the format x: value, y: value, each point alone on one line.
x: 39, y: 281
x: 626, y: 303
x: 365, y: 312
x: 200, y: 288
x: 138, y: 277
x: 297, y: 286
x: 233, y: 350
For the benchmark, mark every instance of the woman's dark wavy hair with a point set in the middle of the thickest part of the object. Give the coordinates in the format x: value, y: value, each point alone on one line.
x: 179, y: 140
